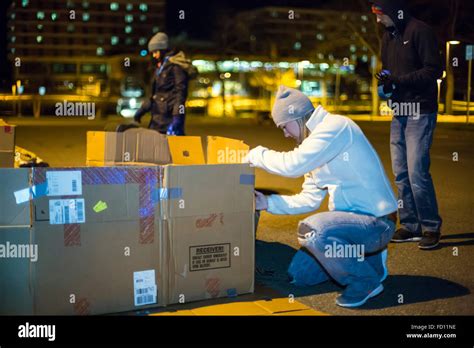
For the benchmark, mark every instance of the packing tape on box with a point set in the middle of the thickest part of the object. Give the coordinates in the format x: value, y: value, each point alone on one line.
x: 247, y: 179
x: 24, y: 195
x: 162, y: 194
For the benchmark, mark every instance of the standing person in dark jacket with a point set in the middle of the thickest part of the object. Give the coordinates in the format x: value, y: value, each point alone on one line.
x: 169, y: 89
x: 411, y: 65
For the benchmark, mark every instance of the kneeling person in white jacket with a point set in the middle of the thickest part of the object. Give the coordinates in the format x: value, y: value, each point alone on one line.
x: 335, y: 158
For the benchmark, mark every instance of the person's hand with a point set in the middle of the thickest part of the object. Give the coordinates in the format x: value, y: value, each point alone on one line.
x: 383, y: 76
x: 387, y: 80
x: 136, y: 118
x: 176, y: 126
x: 261, y: 202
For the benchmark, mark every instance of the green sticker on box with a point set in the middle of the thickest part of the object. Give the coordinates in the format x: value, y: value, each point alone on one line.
x: 100, y: 206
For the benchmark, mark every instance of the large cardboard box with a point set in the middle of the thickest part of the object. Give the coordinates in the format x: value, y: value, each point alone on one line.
x: 208, y: 222
x: 7, y: 144
x: 133, y: 145
x: 113, y: 239
x: 96, y: 232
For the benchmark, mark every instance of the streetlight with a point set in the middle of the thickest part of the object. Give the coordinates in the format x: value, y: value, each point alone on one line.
x: 449, y: 78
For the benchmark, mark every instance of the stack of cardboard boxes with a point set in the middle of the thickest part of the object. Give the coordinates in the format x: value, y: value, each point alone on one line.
x: 107, y: 239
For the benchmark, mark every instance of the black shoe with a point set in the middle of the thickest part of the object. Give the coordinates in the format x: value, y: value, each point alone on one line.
x: 430, y: 240
x: 402, y: 235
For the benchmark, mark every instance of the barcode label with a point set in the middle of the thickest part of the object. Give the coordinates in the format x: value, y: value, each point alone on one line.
x: 74, y: 186
x: 66, y: 211
x: 144, y: 287
x: 143, y: 300
x: 142, y: 291
x: 66, y: 215
x: 64, y: 183
x: 80, y: 210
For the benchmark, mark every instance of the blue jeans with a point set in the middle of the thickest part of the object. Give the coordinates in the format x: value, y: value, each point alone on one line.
x: 410, y: 143
x: 325, y: 232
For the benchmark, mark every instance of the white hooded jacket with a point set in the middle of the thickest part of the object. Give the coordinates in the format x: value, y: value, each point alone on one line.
x: 336, y: 158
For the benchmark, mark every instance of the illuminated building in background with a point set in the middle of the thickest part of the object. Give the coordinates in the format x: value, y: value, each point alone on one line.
x: 64, y: 45
x: 297, y: 33
x: 84, y: 56
x: 71, y: 28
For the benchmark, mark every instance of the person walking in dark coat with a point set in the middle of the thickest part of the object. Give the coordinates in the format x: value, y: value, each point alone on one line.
x: 411, y: 64
x: 169, y: 88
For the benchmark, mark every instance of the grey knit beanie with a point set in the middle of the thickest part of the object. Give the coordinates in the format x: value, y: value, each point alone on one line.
x: 158, y: 42
x: 290, y: 104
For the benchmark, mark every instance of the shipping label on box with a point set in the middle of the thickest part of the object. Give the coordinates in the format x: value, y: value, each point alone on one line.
x: 206, y: 257
x: 66, y: 211
x: 64, y: 183
x: 144, y: 286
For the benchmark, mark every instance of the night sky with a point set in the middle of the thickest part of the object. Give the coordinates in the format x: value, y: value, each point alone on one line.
x: 201, y: 15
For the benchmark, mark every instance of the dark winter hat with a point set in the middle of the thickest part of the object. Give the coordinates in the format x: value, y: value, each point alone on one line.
x: 158, y: 42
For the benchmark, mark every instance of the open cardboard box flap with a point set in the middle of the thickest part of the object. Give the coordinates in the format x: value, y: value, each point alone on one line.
x: 220, y: 150
x: 148, y: 146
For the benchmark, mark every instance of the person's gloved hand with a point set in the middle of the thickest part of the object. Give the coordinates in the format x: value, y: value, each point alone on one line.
x: 388, y: 81
x: 176, y: 127
x: 137, y: 116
